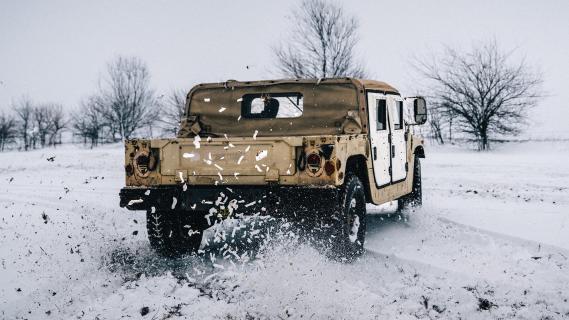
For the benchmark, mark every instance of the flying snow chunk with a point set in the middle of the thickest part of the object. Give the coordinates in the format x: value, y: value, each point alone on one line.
x: 206, y: 99
x: 255, y: 134
x: 174, y: 202
x: 261, y: 155
x: 240, y: 99
x: 222, y: 109
x: 197, y: 140
x: 131, y: 202
x: 240, y: 159
x: 212, y: 211
x: 188, y: 155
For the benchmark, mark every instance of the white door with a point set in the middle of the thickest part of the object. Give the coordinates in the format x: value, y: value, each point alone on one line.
x: 379, y: 137
x: 398, y: 145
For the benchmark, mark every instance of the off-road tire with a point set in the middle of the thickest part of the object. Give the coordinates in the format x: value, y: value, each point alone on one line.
x: 415, y: 198
x: 349, y: 221
x: 169, y: 233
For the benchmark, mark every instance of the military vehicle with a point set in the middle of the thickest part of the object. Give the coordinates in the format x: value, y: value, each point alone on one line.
x: 311, y: 150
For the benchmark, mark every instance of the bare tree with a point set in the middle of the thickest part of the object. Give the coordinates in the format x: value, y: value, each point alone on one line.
x: 482, y: 90
x: 58, y: 124
x: 7, y: 130
x: 24, y: 113
x: 88, y: 122
x: 440, y: 122
x: 43, y: 123
x: 436, y: 123
x: 172, y: 110
x: 125, y: 99
x: 321, y: 43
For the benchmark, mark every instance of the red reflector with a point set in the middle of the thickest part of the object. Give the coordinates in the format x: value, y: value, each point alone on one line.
x: 329, y: 168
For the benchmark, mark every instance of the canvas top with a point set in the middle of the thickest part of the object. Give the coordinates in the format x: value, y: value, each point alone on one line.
x: 279, y: 107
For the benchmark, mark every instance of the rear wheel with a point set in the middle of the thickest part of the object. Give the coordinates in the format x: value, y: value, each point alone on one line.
x: 415, y: 198
x: 173, y: 233
x: 349, y: 225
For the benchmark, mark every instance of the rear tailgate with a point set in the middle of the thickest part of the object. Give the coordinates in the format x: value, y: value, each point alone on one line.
x: 219, y: 157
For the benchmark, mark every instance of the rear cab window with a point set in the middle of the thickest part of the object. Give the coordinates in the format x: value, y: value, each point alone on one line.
x: 272, y: 105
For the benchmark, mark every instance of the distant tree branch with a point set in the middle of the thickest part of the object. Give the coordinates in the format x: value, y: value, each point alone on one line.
x: 321, y: 44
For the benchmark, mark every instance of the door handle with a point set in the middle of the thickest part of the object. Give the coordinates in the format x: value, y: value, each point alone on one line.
x: 374, y: 153
x: 393, y: 151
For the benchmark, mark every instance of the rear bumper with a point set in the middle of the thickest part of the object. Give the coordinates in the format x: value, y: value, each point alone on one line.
x: 245, y: 200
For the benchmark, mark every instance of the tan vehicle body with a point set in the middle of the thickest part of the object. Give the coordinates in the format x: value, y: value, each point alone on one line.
x: 234, y: 151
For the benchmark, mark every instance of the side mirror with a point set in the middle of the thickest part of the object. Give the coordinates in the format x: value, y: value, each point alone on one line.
x: 420, y: 110
x: 417, y: 110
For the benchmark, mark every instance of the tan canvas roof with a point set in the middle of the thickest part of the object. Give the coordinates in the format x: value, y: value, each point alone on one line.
x: 365, y: 83
x: 327, y: 105
x: 376, y: 85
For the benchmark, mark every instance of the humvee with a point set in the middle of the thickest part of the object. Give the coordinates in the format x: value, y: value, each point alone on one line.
x: 312, y: 150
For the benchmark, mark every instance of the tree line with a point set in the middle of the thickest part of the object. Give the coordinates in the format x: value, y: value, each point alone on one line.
x: 35, y: 125
x: 479, y: 94
x: 123, y: 104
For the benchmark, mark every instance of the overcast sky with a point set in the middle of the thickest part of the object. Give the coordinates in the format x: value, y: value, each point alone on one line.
x: 56, y: 50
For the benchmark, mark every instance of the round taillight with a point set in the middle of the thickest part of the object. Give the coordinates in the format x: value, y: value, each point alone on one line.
x: 313, y: 160
x: 145, y: 162
x: 141, y: 161
x: 314, y: 164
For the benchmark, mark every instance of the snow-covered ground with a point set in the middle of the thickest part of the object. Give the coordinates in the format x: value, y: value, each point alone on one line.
x: 491, y: 241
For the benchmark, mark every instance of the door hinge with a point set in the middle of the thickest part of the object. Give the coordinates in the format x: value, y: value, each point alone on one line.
x: 390, y: 173
x: 406, y: 166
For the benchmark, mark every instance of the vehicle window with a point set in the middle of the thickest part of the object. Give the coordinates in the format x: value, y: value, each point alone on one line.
x: 272, y: 105
x: 381, y: 114
x: 398, y: 116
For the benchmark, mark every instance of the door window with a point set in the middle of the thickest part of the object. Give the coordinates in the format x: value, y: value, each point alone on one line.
x: 398, y: 116
x: 381, y: 114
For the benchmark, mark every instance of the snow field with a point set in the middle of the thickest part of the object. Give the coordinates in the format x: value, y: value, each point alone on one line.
x: 491, y: 241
